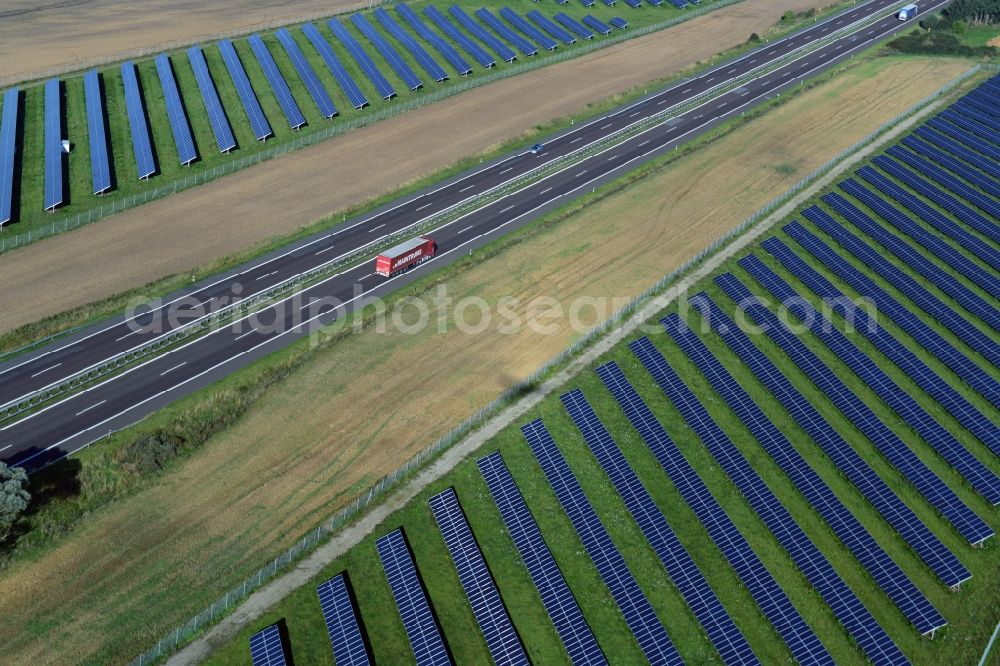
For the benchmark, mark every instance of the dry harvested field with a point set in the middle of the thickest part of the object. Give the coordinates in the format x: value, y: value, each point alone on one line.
x: 144, y: 564
x: 35, y: 36
x: 173, y: 235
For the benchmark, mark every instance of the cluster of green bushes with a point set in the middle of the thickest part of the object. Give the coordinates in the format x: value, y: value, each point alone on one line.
x: 943, y: 34
x: 974, y: 11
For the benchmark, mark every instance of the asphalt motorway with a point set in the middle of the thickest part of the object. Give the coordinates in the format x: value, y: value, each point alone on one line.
x: 71, y: 423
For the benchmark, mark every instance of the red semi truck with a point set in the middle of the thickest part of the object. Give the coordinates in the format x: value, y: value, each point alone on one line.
x: 405, y: 255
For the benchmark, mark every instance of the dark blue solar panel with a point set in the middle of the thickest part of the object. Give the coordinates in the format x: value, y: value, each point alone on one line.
x: 8, y: 146
x: 477, y: 52
x: 946, y: 180
x: 963, y: 328
x: 556, y: 596
x: 902, y: 519
x: 501, y: 28
x: 980, y: 103
x: 585, y: 3
x: 858, y: 621
x: 901, y: 402
x: 346, y: 641
x: 639, y: 615
x: 53, y: 144
x: 361, y: 57
x: 938, y: 196
x: 597, y: 24
x: 929, y: 241
x: 971, y: 418
x: 344, y: 80
x: 216, y: 114
x: 546, y: 24
x: 952, y: 164
x: 528, y: 29
x: 973, y: 122
x: 931, y: 216
x: 502, y: 50
x: 387, y: 50
x: 970, y: 104
x: 634, y: 4
x: 801, y: 640
x: 258, y: 121
x: 137, y: 121
x: 414, y: 609
x: 480, y: 589
x: 175, y: 111
x: 308, y: 75
x: 573, y: 25
x: 886, y: 573
x: 968, y: 138
x: 284, y: 96
x: 419, y: 53
x: 888, y: 306
x: 985, y: 180
x: 618, y: 22
x: 968, y: 524
x: 447, y: 51
x: 97, y: 133
x: 266, y: 648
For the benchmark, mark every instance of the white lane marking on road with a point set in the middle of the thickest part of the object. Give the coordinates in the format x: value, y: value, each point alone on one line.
x: 752, y: 61
x: 42, y: 372
x: 426, y: 205
x: 662, y: 101
x: 464, y: 189
x: 325, y: 249
x: 721, y: 104
x: 267, y: 276
x: 182, y: 363
x: 506, y: 209
x: 5, y: 448
x: 606, y: 126
x: 634, y: 114
x: 376, y: 228
x: 245, y: 335
x: 91, y: 407
x: 686, y: 90
x: 643, y: 143
x: 462, y: 231
x: 581, y: 173
x: 506, y: 170
x: 125, y: 336
x: 615, y: 156
x: 579, y: 138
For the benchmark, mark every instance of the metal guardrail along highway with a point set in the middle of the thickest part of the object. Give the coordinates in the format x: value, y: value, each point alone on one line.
x: 28, y: 401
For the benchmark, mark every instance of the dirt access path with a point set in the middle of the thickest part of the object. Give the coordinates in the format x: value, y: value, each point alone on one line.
x: 142, y: 565
x: 189, y: 229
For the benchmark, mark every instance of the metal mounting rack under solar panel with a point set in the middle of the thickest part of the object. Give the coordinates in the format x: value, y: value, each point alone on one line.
x: 387, y: 50
x: 251, y: 105
x: 278, y: 85
x: 965, y: 413
x: 946, y: 180
x: 266, y: 648
x: 341, y: 619
x: 480, y: 590
x: 505, y: 53
x: 849, y: 610
x: 964, y: 520
x: 8, y: 149
x: 573, y: 25
x: 531, y: 31
x: 138, y: 124
x: 558, y: 600
x: 344, y: 79
x: 900, y: 517
x: 972, y: 175
x: 97, y: 133
x: 639, y: 615
x: 429, y: 65
x: 501, y: 28
x: 216, y: 114
x: 414, y: 608
x: 914, y: 326
x: 910, y: 287
x: 955, y: 149
x: 984, y: 481
x: 597, y: 24
x: 447, y: 51
x: 53, y: 145
x: 179, y: 125
x: 925, y: 239
x: 306, y: 72
x: 943, y: 199
x: 609, y: 3
x: 477, y: 52
x: 801, y: 640
x: 932, y: 216
x: 883, y: 570
x: 361, y: 57
x: 546, y: 24
x: 967, y: 137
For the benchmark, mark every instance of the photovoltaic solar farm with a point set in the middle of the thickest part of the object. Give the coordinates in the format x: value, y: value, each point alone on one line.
x: 146, y: 124
x: 799, y: 461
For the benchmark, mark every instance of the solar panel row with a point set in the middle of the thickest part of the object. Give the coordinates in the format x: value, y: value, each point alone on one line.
x: 278, y: 85
x: 888, y: 306
x: 801, y: 640
x: 255, y: 115
x: 528, y: 29
x: 951, y: 149
x: 973, y: 122
x: 556, y: 596
x: 175, y: 111
x: 849, y: 610
x: 344, y: 79
x: 266, y: 648
x: 216, y: 114
x: 502, y: 50
x: 931, y: 304
x: 618, y: 22
x: 341, y: 619
x: 388, y: 51
x: 361, y: 57
x: 429, y: 65
x: 965, y: 521
x: 447, y: 51
x: 885, y: 572
x: 8, y: 149
x: 573, y: 25
x: 306, y: 72
x: 53, y: 144
x: 501, y: 28
x: 946, y: 180
x: 477, y: 583
x: 597, y: 24
x: 639, y: 615
x: 97, y: 133
x: 477, y: 52
x: 411, y: 601
x: 924, y: 542
x: 971, y: 418
x: 546, y: 24
x: 968, y: 138
x: 971, y: 175
x: 139, y: 126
